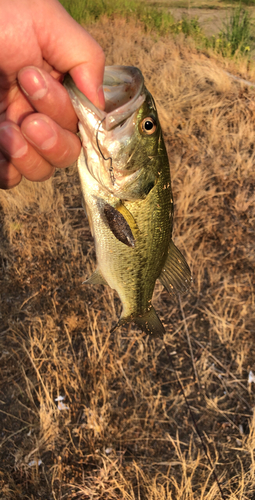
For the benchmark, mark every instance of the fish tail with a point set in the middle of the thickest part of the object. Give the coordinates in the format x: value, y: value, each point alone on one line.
x: 148, y: 322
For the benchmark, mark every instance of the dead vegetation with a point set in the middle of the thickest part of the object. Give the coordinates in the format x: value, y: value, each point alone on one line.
x: 89, y: 415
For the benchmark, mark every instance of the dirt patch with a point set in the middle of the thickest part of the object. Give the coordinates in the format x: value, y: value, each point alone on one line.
x: 211, y: 16
x: 210, y: 20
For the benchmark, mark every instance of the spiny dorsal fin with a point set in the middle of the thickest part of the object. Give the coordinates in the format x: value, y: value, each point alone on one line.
x: 148, y: 322
x: 175, y: 275
x: 121, y: 223
x: 96, y: 279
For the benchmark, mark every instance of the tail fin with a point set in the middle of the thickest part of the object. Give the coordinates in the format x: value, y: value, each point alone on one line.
x: 148, y: 322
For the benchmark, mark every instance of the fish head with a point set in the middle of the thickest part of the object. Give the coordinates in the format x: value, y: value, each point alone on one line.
x: 121, y: 142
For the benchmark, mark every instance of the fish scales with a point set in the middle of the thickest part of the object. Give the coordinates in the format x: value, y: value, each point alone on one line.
x: 125, y: 181
x: 131, y: 272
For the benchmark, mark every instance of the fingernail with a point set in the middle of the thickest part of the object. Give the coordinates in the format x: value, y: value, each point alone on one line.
x: 40, y: 133
x: 100, y: 96
x: 12, y: 142
x: 33, y: 83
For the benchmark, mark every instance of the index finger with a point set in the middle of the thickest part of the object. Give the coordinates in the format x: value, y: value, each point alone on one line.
x: 48, y: 96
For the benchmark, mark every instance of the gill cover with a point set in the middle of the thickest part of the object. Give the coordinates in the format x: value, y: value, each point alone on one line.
x: 120, y: 141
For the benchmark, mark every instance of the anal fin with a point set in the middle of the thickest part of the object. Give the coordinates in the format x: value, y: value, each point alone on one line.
x: 175, y: 275
x: 96, y: 279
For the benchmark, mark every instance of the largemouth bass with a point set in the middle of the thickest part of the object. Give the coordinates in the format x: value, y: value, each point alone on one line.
x: 125, y: 182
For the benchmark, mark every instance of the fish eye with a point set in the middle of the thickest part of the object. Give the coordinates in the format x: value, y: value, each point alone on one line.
x: 148, y: 125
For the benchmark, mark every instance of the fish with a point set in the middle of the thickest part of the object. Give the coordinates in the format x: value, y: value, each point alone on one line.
x: 125, y: 181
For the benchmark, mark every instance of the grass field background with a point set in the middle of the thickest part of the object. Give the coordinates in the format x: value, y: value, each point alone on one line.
x: 227, y: 28
x: 85, y: 414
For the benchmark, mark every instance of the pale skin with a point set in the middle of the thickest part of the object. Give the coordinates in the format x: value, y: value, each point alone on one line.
x: 39, y: 43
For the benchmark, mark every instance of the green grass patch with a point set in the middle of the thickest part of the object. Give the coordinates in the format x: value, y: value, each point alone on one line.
x: 244, y: 2
x: 152, y: 17
x: 91, y: 10
x: 189, y: 26
x: 236, y: 36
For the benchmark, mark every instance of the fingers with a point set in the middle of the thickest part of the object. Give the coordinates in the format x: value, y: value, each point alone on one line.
x: 57, y: 145
x: 48, y: 96
x: 9, y: 176
x: 40, y: 145
x: 69, y: 48
x: 35, y: 150
x: 33, y: 144
x: 18, y: 107
x: 82, y: 77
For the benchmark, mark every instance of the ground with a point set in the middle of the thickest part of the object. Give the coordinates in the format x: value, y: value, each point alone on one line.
x: 210, y: 20
x: 88, y: 414
x: 211, y: 15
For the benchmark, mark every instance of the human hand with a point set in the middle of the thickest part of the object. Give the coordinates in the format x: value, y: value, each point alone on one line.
x: 40, y: 42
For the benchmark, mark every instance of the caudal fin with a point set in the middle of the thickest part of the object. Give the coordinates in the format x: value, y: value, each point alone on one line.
x: 148, y: 322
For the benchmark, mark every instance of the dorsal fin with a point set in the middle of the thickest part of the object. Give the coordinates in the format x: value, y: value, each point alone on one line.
x: 175, y: 275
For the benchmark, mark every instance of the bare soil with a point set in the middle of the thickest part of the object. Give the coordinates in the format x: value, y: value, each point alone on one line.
x: 211, y: 15
x: 210, y: 20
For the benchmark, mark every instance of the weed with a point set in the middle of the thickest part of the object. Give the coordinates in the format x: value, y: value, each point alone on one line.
x: 242, y: 2
x: 235, y: 39
x: 89, y: 11
x: 149, y: 16
x: 189, y: 27
x: 236, y: 36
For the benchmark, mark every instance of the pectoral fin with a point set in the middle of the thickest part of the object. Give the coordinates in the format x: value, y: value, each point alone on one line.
x: 96, y: 279
x: 175, y: 275
x: 148, y: 322
x: 122, y: 223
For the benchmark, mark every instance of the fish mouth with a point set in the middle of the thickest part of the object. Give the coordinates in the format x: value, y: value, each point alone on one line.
x: 123, y: 91
x: 122, y: 87
x: 108, y: 137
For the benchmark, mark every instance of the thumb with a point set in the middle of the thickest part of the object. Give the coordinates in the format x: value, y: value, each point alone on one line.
x: 68, y: 47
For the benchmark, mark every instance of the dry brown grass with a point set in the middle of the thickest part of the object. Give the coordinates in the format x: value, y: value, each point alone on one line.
x: 123, y: 430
